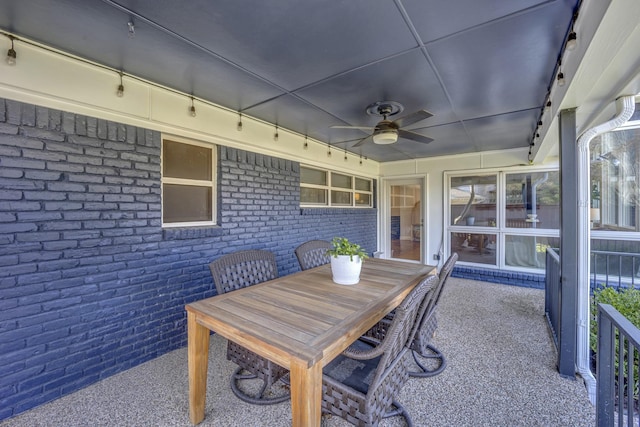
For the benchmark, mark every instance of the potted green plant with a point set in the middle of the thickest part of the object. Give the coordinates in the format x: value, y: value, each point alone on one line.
x: 346, y: 261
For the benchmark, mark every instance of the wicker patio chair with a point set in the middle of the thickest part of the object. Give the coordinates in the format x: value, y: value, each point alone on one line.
x: 429, y: 360
x: 362, y: 384
x: 236, y: 271
x: 313, y: 253
x: 421, y: 346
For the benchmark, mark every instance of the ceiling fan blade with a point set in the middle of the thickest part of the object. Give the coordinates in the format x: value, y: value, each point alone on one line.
x: 414, y: 136
x: 363, y: 141
x: 412, y: 118
x: 353, y: 127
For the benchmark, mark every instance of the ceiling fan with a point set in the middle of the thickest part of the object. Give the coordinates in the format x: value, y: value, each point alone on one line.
x: 387, y: 131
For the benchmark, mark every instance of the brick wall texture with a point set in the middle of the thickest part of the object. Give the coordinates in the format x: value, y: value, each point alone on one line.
x: 90, y: 283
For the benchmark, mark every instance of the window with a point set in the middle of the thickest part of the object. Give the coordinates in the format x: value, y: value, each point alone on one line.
x: 615, y: 178
x: 504, y: 219
x: 327, y: 188
x: 188, y: 184
x: 615, y: 205
x: 532, y: 200
x: 473, y: 200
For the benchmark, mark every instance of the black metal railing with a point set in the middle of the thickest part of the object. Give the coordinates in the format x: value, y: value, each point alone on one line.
x: 553, y: 294
x: 614, y: 269
x: 560, y: 311
x: 617, y: 369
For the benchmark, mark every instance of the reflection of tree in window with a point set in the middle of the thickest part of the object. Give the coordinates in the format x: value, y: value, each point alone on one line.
x: 473, y: 200
x: 614, y: 179
x: 533, y: 200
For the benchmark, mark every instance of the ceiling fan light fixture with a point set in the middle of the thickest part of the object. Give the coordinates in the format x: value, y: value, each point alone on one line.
x: 385, y: 137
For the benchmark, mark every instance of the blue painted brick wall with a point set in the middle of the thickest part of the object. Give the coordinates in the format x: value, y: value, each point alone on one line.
x: 90, y: 284
x: 505, y: 277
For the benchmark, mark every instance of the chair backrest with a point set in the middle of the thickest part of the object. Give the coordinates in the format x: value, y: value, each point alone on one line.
x: 431, y: 299
x: 399, y: 332
x: 313, y: 253
x: 244, y: 268
x: 445, y: 272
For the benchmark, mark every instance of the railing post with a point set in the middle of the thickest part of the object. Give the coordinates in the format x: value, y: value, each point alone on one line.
x: 605, y: 389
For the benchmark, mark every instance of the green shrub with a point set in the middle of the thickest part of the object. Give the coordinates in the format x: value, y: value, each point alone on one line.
x: 627, y: 302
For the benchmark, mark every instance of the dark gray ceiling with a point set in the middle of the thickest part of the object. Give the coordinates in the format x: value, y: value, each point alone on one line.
x: 481, y: 67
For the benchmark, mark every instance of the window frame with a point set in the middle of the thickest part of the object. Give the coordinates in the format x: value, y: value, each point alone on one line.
x: 190, y: 182
x: 329, y: 188
x: 500, y: 230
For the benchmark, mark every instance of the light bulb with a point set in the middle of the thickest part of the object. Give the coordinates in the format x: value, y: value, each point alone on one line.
x: 11, y: 57
x: 120, y: 92
x: 572, y: 41
x: 561, y: 79
x: 132, y: 29
x: 11, y: 53
x: 192, y: 111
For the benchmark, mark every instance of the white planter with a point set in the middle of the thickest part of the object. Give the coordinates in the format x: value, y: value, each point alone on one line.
x: 345, y: 271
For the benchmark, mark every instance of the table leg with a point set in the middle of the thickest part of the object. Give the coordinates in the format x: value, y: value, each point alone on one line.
x: 198, y: 354
x: 306, y: 394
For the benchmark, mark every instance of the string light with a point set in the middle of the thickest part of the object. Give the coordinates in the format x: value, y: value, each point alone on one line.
x: 572, y: 38
x: 572, y: 41
x: 345, y: 153
x: 11, y: 53
x: 192, y: 109
x: 306, y: 143
x: 120, y: 88
x: 132, y: 29
x: 557, y: 78
x: 561, y: 80
x: 239, y: 127
x: 275, y: 135
x: 329, y: 151
x: 120, y: 91
x: 360, y: 159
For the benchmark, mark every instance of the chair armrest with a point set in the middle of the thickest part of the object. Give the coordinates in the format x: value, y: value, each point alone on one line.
x: 361, y: 350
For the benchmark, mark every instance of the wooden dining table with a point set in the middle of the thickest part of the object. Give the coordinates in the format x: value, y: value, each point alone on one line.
x: 301, y: 321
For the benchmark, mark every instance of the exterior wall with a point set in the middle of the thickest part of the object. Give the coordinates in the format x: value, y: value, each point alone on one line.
x: 90, y: 284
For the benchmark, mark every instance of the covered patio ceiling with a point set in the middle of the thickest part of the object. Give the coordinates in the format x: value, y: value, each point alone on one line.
x: 482, y: 68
